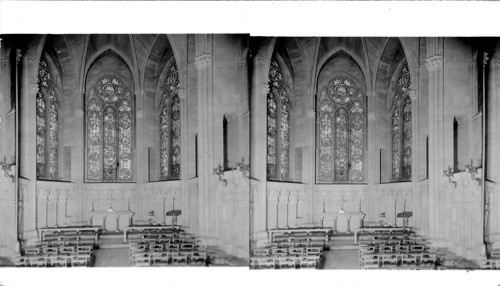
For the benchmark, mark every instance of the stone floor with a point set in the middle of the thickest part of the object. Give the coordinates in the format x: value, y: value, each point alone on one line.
x: 342, y: 254
x: 111, y: 257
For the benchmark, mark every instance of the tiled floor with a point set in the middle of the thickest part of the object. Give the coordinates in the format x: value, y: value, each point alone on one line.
x: 113, y: 257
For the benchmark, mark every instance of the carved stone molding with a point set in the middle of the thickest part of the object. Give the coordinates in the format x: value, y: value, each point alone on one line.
x: 264, y: 89
x: 202, y: 62
x: 4, y: 60
x: 471, y: 63
x: 413, y: 95
x: 311, y: 112
x: 485, y: 59
x: 29, y: 59
x: 182, y: 93
x: 371, y: 115
x: 79, y: 112
x: 139, y: 113
x: 18, y: 55
x: 34, y: 88
x: 434, y: 63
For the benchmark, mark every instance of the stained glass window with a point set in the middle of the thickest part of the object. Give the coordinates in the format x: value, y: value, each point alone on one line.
x: 401, y: 128
x: 341, y: 132
x: 170, y: 127
x: 278, y: 129
x: 47, y: 136
x: 110, y: 131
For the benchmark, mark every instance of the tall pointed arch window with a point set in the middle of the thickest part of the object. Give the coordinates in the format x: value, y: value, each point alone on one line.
x: 170, y: 127
x: 401, y: 128
x: 278, y: 129
x: 110, y: 131
x: 47, y: 125
x: 341, y: 132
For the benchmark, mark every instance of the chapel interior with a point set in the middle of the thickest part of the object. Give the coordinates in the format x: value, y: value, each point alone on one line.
x: 117, y: 146
x: 375, y: 153
x: 263, y: 152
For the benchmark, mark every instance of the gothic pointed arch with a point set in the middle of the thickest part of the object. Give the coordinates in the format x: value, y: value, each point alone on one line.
x: 110, y: 121
x: 341, y: 122
x: 401, y: 127
x: 278, y: 121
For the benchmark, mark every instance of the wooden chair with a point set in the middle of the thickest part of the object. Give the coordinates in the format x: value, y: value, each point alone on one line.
x: 67, y: 250
x: 280, y: 251
x: 32, y: 251
x: 160, y: 258
x: 179, y: 257
x: 21, y: 262
x: 187, y: 246
x: 58, y: 261
x: 313, y: 250
x: 156, y: 247
x: 40, y: 261
x: 51, y: 250
x: 141, y: 260
x: 286, y: 262
x: 199, y: 256
x: 298, y: 251
x: 261, y: 252
x: 307, y: 262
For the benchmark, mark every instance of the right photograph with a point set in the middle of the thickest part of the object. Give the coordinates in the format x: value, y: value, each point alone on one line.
x: 375, y: 153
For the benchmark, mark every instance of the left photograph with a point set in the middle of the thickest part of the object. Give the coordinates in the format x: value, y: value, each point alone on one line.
x: 124, y: 150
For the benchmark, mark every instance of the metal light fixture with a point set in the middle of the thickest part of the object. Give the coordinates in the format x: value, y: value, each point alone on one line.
x: 473, y: 171
x: 6, y: 168
x: 245, y: 169
x: 219, y: 171
x: 449, y: 173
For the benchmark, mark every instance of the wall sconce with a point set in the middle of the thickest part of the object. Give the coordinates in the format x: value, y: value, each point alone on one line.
x: 219, y: 171
x: 449, y: 173
x: 245, y: 169
x: 473, y: 171
x: 6, y: 168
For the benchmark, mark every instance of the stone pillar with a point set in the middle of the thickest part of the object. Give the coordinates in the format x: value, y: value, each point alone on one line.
x: 415, y: 154
x: 203, y: 64
x: 434, y: 66
x: 372, y: 162
x: 184, y: 200
x: 258, y: 154
x: 78, y: 163
x: 309, y: 164
x: 142, y: 175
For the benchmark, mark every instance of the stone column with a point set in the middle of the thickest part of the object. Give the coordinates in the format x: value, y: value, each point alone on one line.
x: 309, y: 164
x: 184, y: 200
x: 142, y: 162
x: 434, y: 66
x: 204, y: 67
x: 372, y: 180
x: 258, y: 154
x: 78, y: 162
x: 415, y: 154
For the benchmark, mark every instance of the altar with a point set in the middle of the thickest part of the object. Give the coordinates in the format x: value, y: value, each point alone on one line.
x: 111, y: 220
x: 341, y: 221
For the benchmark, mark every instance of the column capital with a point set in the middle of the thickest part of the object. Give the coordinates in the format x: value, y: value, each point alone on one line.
x: 371, y: 115
x: 79, y: 112
x: 485, y: 59
x: 4, y: 60
x: 202, y: 62
x: 471, y: 63
x: 259, y: 59
x: 434, y: 63
x: 34, y: 88
x: 29, y: 59
x: 311, y: 112
x: 413, y: 95
x: 182, y: 93
x: 139, y: 113
x: 18, y: 55
x: 264, y: 89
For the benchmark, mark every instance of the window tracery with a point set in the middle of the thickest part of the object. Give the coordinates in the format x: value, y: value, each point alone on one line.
x: 170, y: 127
x: 47, y: 125
x: 110, y: 131
x: 342, y: 127
x: 401, y: 128
x: 278, y: 129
